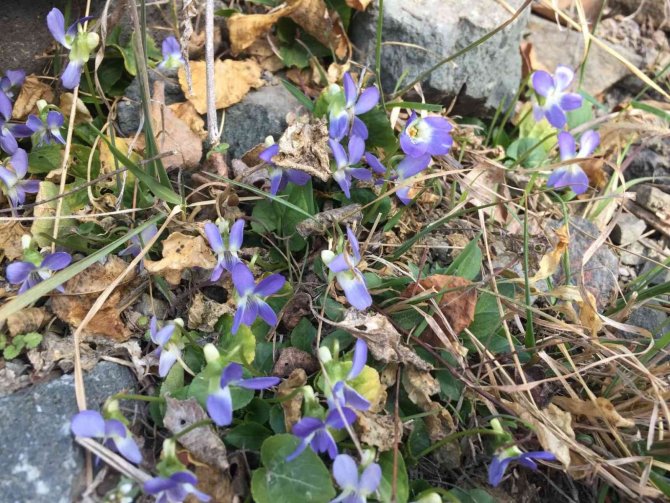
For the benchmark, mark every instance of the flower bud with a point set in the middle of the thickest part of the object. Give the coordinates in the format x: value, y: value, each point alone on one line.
x: 211, y: 353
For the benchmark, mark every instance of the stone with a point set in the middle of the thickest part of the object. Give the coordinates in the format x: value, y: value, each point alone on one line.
x: 663, y: 275
x: 261, y: 113
x: 633, y: 254
x: 600, y: 272
x: 628, y: 229
x: 650, y: 160
x: 42, y: 463
x: 483, y: 78
x: 654, y: 199
x: 130, y: 111
x: 654, y: 320
x: 555, y: 45
x: 653, y: 11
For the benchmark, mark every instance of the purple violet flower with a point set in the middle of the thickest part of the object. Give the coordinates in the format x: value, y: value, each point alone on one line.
x: 429, y: 135
x: 343, y: 118
x: 28, y: 274
x: 572, y: 175
x: 7, y: 140
x: 314, y: 432
x: 556, y: 101
x: 250, y: 301
x: 12, y: 174
x: 344, y: 395
x: 226, y: 250
x: 499, y: 464
x: 139, y: 242
x: 77, y: 40
x: 220, y: 402
x: 172, y: 57
x: 47, y: 131
x: 344, y: 172
x: 115, y: 435
x: 280, y: 177
x: 355, y: 488
x: 167, y: 351
x: 406, y: 169
x: 175, y: 488
x: 347, y: 274
x: 11, y: 82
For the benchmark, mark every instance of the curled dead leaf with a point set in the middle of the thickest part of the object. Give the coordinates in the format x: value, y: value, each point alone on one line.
x: 358, y: 4
x: 32, y: 90
x: 304, y: 146
x: 59, y: 351
x: 556, y: 442
x: 83, y: 116
x: 377, y: 430
x: 173, y: 134
x: 82, y: 291
x: 457, y: 302
x: 588, y: 314
x: 382, y: 338
x: 204, y: 313
x: 218, y: 488
x: 550, y: 261
x: 602, y: 408
x: 190, y: 116
x: 325, y: 26
x: 291, y: 359
x: 245, y: 29
x: 292, y: 407
x: 321, y: 222
x: 234, y: 79
x: 203, y: 442
x: 27, y: 320
x: 11, y: 233
x: 181, y: 252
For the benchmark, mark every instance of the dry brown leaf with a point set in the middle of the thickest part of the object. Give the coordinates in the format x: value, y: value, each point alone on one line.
x: 382, y: 338
x: 245, y: 29
x: 83, y: 115
x: 376, y: 430
x: 420, y: 386
x: 218, y: 488
x: 56, y: 350
x: 203, y: 442
x: 204, y: 313
x: 27, y: 320
x: 82, y: 291
x: 547, y: 438
x: 261, y: 50
x: 358, y: 4
x: 485, y: 185
x: 10, y: 239
x: 293, y: 406
x: 595, y: 170
x: 31, y: 91
x: 325, y: 26
x: 291, y: 359
x: 181, y: 252
x: 588, y: 315
x: 304, y: 146
x: 457, y: 303
x: 107, y: 159
x: 550, y: 261
x: 190, y: 116
x: 602, y: 408
x: 234, y: 79
x: 321, y: 222
x: 173, y: 134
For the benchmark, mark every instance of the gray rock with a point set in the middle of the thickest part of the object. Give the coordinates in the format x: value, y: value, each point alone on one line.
x: 42, y: 464
x: 633, y: 254
x: 600, y: 272
x: 556, y: 45
x: 261, y: 113
x: 654, y: 320
x: 660, y: 277
x: 130, y: 110
x: 654, y: 199
x: 482, y: 78
x: 652, y: 159
x: 628, y: 229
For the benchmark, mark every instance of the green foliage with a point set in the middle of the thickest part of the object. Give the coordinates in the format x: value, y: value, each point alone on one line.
x: 248, y: 436
x: 305, y: 479
x: 386, y: 485
x: 11, y: 350
x: 468, y: 263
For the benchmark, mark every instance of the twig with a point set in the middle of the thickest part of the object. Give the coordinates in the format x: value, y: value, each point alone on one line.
x: 212, y: 130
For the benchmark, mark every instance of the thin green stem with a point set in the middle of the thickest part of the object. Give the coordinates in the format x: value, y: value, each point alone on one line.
x: 378, y: 51
x: 141, y: 398
x: 190, y: 428
x: 455, y: 436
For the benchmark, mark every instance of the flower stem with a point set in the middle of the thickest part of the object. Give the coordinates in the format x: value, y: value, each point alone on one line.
x: 142, y: 398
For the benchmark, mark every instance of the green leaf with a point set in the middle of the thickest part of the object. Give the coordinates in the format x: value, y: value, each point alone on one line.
x: 44, y: 158
x: 42, y: 229
x: 267, y: 213
x: 294, y: 55
x: 527, y: 152
x: 248, y: 436
x: 11, y: 352
x: 199, y: 389
x: 277, y: 419
x: 303, y: 335
x: 298, y: 94
x: 226, y: 12
x: 302, y: 198
x: 413, y: 105
x: 386, y: 485
x: 580, y: 116
x: 258, y: 411
x: 240, y: 347
x: 305, y: 479
x: 380, y: 131
x: 173, y: 381
x: 32, y: 340
x: 468, y: 263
